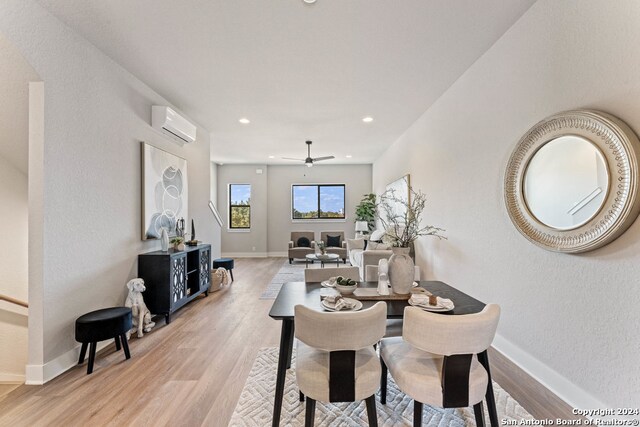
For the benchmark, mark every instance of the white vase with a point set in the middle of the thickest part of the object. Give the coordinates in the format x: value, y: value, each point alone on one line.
x: 401, y: 271
x: 164, y: 240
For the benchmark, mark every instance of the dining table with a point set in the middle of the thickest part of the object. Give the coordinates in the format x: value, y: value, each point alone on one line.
x: 309, y: 294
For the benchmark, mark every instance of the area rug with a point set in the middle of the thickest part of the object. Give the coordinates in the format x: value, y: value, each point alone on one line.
x: 288, y: 273
x: 255, y: 406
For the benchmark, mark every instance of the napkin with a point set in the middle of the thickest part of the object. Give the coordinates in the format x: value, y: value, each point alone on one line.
x: 340, y: 302
x: 331, y: 281
x: 423, y: 300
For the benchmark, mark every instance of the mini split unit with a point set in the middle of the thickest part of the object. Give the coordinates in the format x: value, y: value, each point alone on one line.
x: 172, y: 124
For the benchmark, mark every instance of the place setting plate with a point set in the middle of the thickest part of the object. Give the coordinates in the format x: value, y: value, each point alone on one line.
x: 434, y: 308
x: 327, y: 284
x: 330, y: 306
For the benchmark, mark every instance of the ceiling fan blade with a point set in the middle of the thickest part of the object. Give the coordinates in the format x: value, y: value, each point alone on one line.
x: 289, y: 158
x: 317, y: 159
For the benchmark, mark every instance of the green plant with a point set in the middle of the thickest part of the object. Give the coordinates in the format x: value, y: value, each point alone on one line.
x: 176, y: 240
x: 367, y: 210
x: 401, y: 218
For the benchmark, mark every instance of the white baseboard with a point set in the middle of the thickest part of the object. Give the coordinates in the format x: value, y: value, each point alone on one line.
x: 7, y: 378
x: 572, y: 394
x: 244, y: 255
x: 40, y: 374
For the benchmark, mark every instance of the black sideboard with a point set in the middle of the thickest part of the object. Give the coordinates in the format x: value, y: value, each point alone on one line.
x: 174, y: 278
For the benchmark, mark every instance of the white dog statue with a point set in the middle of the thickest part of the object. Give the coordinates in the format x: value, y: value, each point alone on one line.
x: 141, y: 314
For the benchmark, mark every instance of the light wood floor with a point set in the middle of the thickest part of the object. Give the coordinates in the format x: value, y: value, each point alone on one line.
x: 192, y: 371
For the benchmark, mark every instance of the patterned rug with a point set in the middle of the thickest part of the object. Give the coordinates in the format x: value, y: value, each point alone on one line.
x: 255, y: 406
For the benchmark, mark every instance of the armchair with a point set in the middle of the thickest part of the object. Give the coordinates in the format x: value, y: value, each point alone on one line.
x: 340, y: 249
x: 301, y: 245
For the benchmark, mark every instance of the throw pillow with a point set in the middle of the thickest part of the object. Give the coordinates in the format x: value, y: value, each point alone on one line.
x: 376, y: 235
x: 303, y: 242
x: 333, y: 241
x: 377, y: 246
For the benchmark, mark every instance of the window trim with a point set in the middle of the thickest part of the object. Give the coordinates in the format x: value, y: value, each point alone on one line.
x: 318, y: 218
x: 231, y: 206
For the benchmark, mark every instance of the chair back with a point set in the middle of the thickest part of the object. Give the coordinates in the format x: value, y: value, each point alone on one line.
x: 352, y: 330
x: 319, y: 274
x: 450, y: 335
x: 325, y: 234
x: 371, y: 273
x: 295, y: 235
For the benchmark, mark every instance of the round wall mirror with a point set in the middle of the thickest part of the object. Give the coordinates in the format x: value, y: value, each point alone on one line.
x: 565, y: 182
x: 571, y: 183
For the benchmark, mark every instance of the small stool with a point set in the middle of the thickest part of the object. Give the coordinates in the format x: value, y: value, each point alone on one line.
x: 102, y: 325
x: 226, y: 263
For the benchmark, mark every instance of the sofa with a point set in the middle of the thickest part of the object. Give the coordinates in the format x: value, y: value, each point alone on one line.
x: 359, y: 257
x: 340, y: 249
x: 301, y: 245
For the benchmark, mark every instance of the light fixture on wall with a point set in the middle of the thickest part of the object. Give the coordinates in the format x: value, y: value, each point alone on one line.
x: 361, y: 227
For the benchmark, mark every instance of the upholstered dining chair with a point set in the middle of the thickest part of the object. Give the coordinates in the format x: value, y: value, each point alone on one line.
x: 320, y: 274
x: 435, y: 362
x: 336, y: 361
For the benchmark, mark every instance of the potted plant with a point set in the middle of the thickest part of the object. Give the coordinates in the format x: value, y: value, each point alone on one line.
x: 178, y: 243
x: 402, y: 222
x: 367, y: 210
x: 321, y: 247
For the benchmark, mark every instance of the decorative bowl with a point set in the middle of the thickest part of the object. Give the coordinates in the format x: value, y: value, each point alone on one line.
x: 346, y: 289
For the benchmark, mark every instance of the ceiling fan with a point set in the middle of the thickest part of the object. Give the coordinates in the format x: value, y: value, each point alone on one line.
x: 309, y: 160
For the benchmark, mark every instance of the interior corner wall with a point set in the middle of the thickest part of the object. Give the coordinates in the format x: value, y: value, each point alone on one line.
x: 95, y: 115
x: 216, y: 243
x: 570, y: 320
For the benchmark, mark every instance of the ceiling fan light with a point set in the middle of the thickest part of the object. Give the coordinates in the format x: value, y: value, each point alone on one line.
x: 309, y: 164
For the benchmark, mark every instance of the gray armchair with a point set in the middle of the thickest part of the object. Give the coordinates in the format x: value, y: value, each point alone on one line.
x: 340, y: 250
x: 298, y: 248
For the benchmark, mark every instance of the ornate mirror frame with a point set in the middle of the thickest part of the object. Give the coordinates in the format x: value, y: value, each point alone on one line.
x: 620, y: 147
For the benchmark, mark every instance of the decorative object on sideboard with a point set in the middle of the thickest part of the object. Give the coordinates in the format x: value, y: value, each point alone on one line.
x: 571, y: 183
x: 193, y: 241
x: 165, y: 191
x: 178, y: 243
x: 367, y: 211
x: 401, y: 209
x: 141, y: 316
x: 164, y: 240
x: 180, y: 227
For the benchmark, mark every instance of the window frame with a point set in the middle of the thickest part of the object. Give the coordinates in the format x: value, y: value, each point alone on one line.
x: 319, y: 218
x: 231, y: 227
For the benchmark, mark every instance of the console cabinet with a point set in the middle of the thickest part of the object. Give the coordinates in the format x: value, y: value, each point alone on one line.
x: 174, y: 278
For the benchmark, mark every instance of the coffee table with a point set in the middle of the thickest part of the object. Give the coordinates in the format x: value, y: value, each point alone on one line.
x: 322, y: 258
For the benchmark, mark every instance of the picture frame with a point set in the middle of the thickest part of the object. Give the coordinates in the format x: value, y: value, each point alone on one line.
x: 165, y: 191
x: 400, y: 187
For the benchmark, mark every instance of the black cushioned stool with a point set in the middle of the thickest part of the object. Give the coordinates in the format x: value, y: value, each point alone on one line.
x: 102, y: 325
x: 226, y: 263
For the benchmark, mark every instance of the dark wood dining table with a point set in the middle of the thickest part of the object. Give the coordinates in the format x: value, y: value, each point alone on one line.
x: 308, y: 294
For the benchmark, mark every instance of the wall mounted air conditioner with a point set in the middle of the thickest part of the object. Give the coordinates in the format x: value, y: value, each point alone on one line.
x: 172, y: 124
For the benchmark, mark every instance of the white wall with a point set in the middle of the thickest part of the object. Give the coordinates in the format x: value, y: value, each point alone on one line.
x: 357, y: 180
x: 571, y: 320
x: 271, y: 223
x: 13, y: 270
x: 95, y: 115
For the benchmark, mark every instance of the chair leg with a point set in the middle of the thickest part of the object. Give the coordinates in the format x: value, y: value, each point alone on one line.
x: 231, y: 273
x: 383, y: 383
x: 92, y: 357
x: 83, y: 353
x: 371, y: 411
x: 117, y: 340
x: 417, y: 413
x: 290, y: 260
x: 479, y: 413
x: 310, y: 412
x: 125, y: 346
x: 301, y: 397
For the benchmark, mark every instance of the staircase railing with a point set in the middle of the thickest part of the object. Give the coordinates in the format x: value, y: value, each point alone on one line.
x: 13, y: 301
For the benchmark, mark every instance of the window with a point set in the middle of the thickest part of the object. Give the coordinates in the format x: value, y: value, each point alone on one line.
x: 321, y: 201
x: 240, y: 206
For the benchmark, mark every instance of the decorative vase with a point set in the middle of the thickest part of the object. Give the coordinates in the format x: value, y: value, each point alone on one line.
x: 401, y: 271
x: 164, y: 240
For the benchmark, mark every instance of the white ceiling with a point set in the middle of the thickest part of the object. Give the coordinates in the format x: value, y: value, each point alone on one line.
x: 15, y: 75
x: 297, y: 71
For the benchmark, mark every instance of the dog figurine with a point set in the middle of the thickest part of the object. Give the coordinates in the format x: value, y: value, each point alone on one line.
x: 141, y: 314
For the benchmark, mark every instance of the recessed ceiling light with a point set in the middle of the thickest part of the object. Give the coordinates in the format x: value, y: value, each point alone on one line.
x: 272, y: 157
x: 244, y: 121
x: 348, y: 156
x: 309, y: 1
x: 367, y: 119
